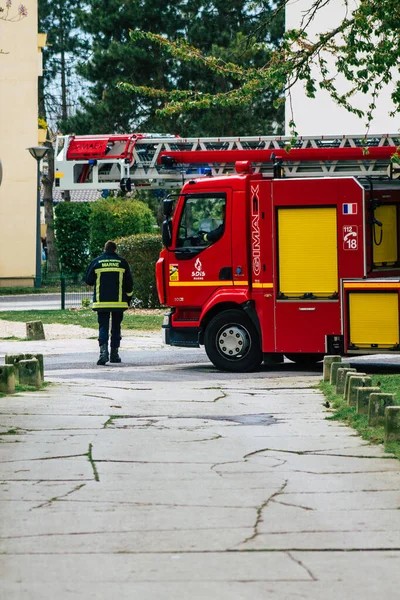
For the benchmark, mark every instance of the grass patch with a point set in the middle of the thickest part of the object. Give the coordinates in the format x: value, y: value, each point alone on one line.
x: 15, y: 431
x: 389, y: 384
x: 30, y: 388
x: 19, y: 291
x: 27, y: 388
x: 133, y: 319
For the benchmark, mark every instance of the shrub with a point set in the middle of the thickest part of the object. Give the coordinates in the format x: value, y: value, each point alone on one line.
x: 72, y: 229
x: 114, y: 217
x: 141, y: 252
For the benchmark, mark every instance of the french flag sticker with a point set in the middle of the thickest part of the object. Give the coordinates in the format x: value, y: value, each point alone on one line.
x: 350, y: 209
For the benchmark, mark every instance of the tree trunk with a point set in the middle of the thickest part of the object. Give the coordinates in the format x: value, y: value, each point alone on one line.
x: 47, y: 182
x: 42, y: 106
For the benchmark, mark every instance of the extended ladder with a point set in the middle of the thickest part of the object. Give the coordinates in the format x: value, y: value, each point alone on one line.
x: 161, y: 161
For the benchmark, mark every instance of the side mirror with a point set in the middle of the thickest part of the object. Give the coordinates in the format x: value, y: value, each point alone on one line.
x: 166, y: 233
x: 168, y: 205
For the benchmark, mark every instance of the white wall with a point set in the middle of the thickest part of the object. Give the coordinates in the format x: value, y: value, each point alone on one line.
x: 322, y: 116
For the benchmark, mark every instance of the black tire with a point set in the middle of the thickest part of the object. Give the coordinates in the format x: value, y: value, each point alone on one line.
x: 305, y: 358
x: 242, y: 352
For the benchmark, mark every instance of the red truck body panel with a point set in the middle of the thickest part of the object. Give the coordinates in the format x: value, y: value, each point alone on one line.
x: 250, y: 251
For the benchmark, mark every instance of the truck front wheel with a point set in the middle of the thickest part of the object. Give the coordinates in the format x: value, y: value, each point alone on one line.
x: 232, y: 342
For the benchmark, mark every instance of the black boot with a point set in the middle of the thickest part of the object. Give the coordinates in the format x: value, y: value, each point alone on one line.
x: 104, y: 358
x: 115, y: 357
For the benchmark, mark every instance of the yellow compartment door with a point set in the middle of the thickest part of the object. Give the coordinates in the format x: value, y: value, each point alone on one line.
x: 374, y: 319
x: 307, y: 250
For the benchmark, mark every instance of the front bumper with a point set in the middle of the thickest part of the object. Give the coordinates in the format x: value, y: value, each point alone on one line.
x: 179, y: 336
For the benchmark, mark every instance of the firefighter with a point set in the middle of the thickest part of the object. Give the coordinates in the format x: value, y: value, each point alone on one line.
x: 215, y: 234
x: 113, y: 289
x: 217, y: 230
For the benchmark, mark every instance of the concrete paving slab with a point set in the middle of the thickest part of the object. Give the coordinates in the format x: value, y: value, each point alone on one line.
x: 75, y: 469
x: 319, y: 482
x: 198, y: 492
x: 128, y: 541
x: 277, y: 520
x: 347, y: 501
x: 189, y: 567
x: 85, y: 518
x: 242, y: 590
x: 345, y: 541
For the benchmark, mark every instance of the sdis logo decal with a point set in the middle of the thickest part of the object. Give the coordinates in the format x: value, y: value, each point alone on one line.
x: 198, y: 272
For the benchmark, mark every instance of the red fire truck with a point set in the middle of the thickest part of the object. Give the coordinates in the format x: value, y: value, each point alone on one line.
x: 273, y: 252
x: 258, y: 266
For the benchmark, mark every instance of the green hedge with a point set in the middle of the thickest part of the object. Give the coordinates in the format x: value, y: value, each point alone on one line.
x: 115, y: 217
x: 72, y: 231
x: 142, y: 252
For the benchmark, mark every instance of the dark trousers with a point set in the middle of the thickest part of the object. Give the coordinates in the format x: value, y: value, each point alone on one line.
x: 103, y: 318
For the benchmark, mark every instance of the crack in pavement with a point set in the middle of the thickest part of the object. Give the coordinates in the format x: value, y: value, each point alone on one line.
x: 293, y: 505
x: 99, y: 397
x: 260, y: 509
x: 191, y: 551
x: 302, y: 565
x: 59, y: 498
x: 92, y: 462
x: 317, y: 453
x: 342, y: 472
x: 42, y: 458
x: 116, y: 532
x: 223, y: 395
x: 88, y: 454
x: 216, y: 436
x: 218, y: 464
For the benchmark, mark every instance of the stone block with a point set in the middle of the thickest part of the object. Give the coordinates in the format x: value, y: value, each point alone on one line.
x: 29, y: 372
x: 14, y: 359
x: 39, y: 357
x: 341, y: 378
x: 335, y: 366
x: 362, y: 398
x: 376, y: 408
x: 356, y: 381
x: 35, y: 330
x: 7, y: 379
x: 328, y: 361
x: 347, y: 381
x: 392, y: 423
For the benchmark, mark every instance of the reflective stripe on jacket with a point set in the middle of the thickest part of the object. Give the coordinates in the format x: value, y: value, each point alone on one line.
x: 112, y: 280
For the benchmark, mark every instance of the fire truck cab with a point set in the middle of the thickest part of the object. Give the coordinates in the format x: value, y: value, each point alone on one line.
x: 257, y: 266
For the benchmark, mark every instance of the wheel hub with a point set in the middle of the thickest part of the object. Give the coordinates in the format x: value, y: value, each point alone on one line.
x: 233, y: 341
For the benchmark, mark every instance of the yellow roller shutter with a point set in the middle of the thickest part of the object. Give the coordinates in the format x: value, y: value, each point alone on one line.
x: 307, y: 246
x: 374, y: 319
x: 386, y: 252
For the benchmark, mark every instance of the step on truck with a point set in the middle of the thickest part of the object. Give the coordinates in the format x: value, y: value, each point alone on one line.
x: 257, y: 265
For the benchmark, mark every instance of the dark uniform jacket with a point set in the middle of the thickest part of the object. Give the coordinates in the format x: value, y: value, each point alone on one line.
x: 112, y: 279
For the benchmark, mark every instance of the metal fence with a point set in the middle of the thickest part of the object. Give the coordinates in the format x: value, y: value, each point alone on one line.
x: 75, y: 294
x: 67, y: 291
x: 72, y: 292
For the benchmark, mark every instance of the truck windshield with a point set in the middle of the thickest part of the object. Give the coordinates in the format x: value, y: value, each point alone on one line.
x: 202, y: 220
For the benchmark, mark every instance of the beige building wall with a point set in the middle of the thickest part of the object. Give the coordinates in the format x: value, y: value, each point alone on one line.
x: 321, y: 115
x: 19, y: 70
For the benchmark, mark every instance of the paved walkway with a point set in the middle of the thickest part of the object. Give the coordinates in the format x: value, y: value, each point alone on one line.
x: 191, y: 490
